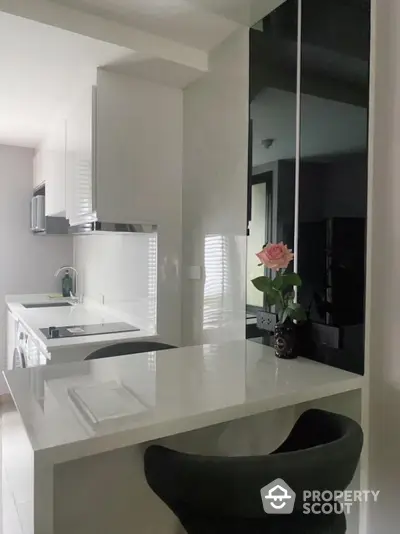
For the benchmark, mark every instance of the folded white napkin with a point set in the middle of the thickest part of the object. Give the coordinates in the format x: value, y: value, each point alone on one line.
x: 105, y: 401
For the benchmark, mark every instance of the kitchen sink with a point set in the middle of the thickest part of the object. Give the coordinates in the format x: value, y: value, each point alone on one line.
x: 48, y: 305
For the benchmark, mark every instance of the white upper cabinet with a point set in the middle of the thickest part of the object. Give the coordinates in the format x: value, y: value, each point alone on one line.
x: 117, y: 156
x: 80, y: 158
x: 38, y: 177
x: 54, y: 170
x: 123, y: 139
x: 49, y: 169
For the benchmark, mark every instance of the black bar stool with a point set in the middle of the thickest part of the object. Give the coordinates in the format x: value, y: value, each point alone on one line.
x: 131, y: 347
x: 220, y: 495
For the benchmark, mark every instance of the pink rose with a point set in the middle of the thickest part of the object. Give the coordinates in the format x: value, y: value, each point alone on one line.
x: 276, y: 256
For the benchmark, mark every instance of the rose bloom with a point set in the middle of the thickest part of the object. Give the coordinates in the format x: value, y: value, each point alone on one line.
x: 275, y: 256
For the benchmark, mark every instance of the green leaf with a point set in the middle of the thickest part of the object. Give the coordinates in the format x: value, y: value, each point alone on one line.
x: 277, y: 283
x: 296, y: 311
x: 285, y: 315
x: 272, y: 298
x: 262, y: 283
x: 288, y: 297
x: 290, y: 280
x: 265, y: 285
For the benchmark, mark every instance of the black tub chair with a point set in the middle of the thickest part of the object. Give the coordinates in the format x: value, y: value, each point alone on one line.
x: 221, y: 495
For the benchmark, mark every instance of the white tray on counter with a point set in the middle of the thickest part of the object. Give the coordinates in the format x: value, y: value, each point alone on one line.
x: 106, y: 402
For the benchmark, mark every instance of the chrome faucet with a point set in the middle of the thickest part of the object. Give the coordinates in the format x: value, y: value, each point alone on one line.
x: 77, y: 297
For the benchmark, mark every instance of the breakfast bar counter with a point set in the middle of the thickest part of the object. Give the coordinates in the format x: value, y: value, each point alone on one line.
x: 88, y: 423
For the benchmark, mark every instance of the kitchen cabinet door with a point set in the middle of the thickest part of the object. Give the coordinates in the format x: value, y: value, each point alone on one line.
x: 80, y: 171
x: 38, y: 177
x: 55, y: 169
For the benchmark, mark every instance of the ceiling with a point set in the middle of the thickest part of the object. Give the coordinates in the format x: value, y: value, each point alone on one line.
x: 42, y: 68
x: 179, y: 20
x: 202, y: 24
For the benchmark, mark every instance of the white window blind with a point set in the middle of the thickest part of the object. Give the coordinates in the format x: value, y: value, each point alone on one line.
x: 216, y: 256
x: 152, y: 278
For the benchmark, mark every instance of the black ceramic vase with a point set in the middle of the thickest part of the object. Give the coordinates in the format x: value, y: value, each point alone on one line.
x: 285, y: 341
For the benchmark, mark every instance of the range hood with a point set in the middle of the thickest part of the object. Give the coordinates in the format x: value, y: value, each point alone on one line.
x: 106, y: 227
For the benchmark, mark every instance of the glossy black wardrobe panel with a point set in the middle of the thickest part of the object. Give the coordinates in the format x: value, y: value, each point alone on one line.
x: 333, y: 177
x: 273, y: 83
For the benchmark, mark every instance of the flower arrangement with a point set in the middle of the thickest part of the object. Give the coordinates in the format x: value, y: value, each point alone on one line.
x: 279, y: 290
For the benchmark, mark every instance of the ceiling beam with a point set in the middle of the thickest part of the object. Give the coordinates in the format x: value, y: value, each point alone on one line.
x: 245, y: 13
x: 66, y: 18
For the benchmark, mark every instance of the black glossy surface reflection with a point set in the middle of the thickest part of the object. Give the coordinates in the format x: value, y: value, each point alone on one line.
x: 333, y: 176
x: 273, y: 82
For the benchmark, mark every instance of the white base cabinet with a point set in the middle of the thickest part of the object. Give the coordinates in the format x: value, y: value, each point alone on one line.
x: 12, y: 328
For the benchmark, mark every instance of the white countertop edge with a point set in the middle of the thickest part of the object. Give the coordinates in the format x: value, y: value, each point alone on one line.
x: 46, y: 345
x: 36, y: 298
x: 137, y: 436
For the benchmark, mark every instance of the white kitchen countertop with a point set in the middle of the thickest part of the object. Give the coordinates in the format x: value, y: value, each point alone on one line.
x: 181, y: 389
x: 78, y: 314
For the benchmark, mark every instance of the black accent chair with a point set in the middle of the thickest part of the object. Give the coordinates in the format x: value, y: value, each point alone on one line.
x: 131, y: 347
x: 222, y: 495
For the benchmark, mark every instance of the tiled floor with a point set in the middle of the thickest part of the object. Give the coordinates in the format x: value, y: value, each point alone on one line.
x: 11, y: 522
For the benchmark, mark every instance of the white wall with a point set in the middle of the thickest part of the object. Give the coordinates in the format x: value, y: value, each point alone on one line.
x: 28, y: 262
x: 324, y: 128
x: 120, y: 270
x: 215, y: 195
x: 383, y: 319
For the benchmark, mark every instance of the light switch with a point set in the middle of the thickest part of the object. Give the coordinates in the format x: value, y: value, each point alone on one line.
x: 194, y: 272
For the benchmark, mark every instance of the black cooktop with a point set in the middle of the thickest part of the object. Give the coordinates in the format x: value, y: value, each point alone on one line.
x: 55, y: 332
